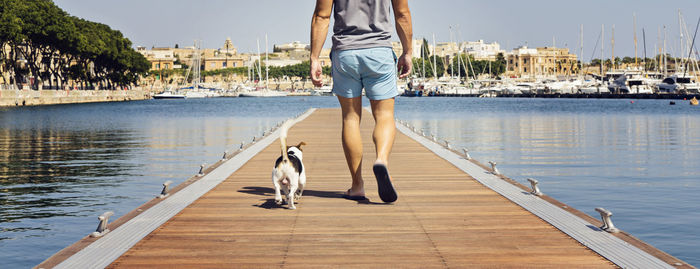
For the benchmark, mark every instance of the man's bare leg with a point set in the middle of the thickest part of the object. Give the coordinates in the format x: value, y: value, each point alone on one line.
x: 385, y: 128
x: 352, y: 142
x: 384, y: 134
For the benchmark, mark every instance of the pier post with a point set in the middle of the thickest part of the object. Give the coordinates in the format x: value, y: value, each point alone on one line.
x: 102, y: 226
x: 608, y: 225
x: 201, y: 170
x: 535, y: 189
x: 495, y: 170
x: 166, y: 189
x: 466, y: 154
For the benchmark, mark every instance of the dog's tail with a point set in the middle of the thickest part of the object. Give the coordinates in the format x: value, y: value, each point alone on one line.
x: 283, y: 139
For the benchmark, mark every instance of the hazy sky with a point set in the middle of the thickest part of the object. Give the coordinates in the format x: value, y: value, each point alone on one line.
x: 512, y: 23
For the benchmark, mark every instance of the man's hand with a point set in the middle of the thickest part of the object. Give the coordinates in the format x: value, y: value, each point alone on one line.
x: 316, y: 73
x: 405, y: 65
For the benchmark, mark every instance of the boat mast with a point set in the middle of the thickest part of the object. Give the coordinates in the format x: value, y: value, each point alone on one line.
x: 636, y: 63
x: 680, y: 29
x: 644, y: 62
x: 554, y: 50
x: 612, y: 57
x: 259, y: 62
x: 434, y: 58
x: 422, y: 58
x: 602, y: 51
x: 580, y: 71
x: 665, y: 66
x: 197, y: 67
x: 452, y: 65
x: 267, y: 68
x: 691, y: 47
x: 658, y: 50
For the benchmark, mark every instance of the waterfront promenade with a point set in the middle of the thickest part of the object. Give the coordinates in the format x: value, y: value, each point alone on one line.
x: 444, y: 218
x: 12, y: 98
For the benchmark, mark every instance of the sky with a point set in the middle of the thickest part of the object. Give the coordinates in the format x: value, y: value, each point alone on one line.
x: 512, y: 23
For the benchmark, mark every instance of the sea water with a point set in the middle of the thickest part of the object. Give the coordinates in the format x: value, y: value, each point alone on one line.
x: 62, y: 166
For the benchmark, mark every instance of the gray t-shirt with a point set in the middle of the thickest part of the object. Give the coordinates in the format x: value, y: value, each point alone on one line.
x: 361, y: 24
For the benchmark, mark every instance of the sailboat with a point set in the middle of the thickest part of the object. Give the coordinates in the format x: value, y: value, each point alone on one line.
x: 262, y: 91
x: 192, y: 91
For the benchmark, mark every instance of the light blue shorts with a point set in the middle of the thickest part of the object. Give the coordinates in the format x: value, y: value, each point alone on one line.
x: 373, y: 69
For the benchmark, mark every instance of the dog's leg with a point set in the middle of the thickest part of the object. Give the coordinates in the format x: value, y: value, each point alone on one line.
x: 302, y: 183
x: 276, y: 184
x: 293, y: 185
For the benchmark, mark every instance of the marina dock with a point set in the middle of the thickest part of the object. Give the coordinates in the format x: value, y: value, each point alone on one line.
x: 452, y: 212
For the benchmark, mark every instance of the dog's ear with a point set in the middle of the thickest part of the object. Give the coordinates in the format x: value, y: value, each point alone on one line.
x: 301, y: 144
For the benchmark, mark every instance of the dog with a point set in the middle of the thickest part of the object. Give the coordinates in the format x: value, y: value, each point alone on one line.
x: 288, y: 174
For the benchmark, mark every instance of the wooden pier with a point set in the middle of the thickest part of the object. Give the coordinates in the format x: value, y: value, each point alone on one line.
x: 444, y: 218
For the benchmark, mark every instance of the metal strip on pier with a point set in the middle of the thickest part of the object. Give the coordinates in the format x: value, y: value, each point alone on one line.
x: 107, y: 249
x: 612, y: 248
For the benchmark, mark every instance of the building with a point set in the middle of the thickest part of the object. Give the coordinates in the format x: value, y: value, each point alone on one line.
x: 530, y: 63
x: 482, y: 51
x: 417, y: 44
x: 295, y: 53
x: 160, y: 58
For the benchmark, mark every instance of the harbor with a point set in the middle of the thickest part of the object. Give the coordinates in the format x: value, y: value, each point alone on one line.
x: 442, y: 220
x: 559, y: 135
x: 632, y: 159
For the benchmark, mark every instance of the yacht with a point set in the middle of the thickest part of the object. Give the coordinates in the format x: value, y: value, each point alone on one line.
x: 169, y: 95
x: 631, y: 83
x: 679, y: 84
x: 261, y: 92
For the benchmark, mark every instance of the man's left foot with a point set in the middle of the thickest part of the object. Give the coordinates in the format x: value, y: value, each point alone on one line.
x: 386, y: 189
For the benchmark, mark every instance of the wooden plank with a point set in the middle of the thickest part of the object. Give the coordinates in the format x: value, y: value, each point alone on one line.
x: 443, y: 218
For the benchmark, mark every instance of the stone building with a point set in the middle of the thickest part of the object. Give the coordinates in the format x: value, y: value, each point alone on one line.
x: 529, y: 63
x: 160, y: 58
x: 481, y: 50
x: 417, y: 44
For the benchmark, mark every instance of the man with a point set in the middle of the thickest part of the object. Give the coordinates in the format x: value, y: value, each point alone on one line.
x: 362, y: 57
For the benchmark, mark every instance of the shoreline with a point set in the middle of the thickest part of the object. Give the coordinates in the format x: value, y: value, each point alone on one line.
x: 18, y: 98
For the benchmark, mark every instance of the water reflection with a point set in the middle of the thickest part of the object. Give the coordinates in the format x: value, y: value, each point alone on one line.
x: 62, y: 166
x: 639, y: 161
x: 43, y: 169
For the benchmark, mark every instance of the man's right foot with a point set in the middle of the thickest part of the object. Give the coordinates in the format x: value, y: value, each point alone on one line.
x: 386, y: 189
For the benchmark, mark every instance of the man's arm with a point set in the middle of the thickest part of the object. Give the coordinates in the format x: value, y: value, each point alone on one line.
x: 319, y: 31
x: 404, y: 28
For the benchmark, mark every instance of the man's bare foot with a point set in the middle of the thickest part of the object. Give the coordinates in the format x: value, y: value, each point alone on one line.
x: 355, y: 195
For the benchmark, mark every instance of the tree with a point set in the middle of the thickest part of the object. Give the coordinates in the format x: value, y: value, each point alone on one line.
x: 57, y: 47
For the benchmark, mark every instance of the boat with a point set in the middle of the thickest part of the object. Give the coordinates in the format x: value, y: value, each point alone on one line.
x: 631, y: 82
x: 679, y: 84
x: 262, y: 92
x: 169, y: 95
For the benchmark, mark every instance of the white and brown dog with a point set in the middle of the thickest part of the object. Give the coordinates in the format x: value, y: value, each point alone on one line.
x: 289, y: 174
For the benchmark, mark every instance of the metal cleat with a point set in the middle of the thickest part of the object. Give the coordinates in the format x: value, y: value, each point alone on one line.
x: 166, y: 189
x: 447, y: 144
x: 495, y: 170
x: 241, y: 148
x: 535, y: 189
x: 102, y: 226
x: 201, y: 170
x: 432, y: 136
x: 225, y: 155
x: 466, y: 154
x: 608, y: 225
